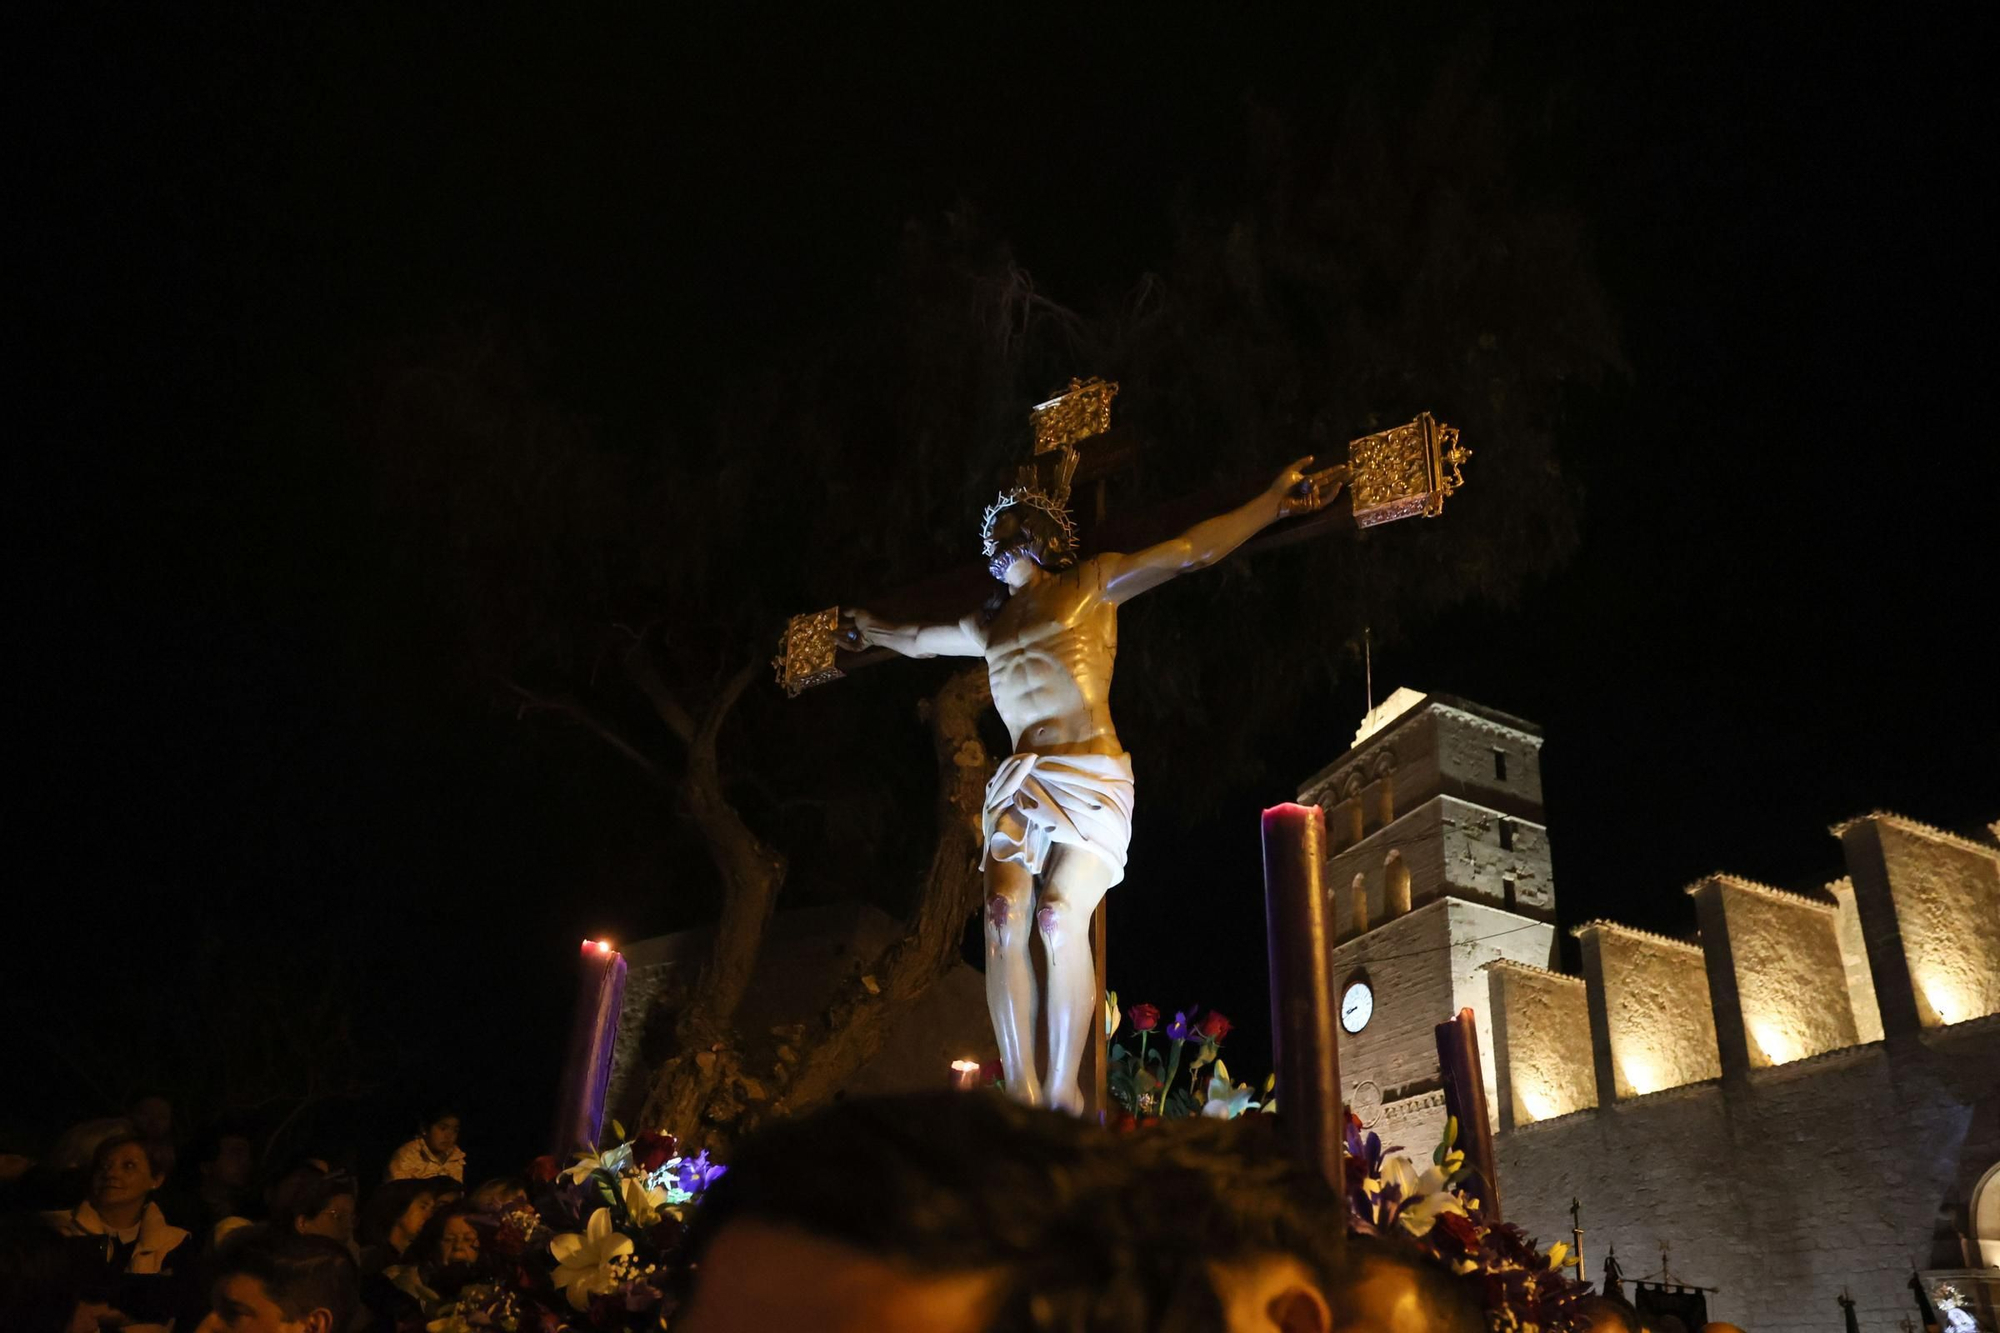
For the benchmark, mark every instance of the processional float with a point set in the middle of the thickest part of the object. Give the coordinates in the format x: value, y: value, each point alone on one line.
x: 1060, y: 792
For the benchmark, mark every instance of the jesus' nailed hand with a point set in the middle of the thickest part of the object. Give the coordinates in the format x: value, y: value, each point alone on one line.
x: 1058, y: 813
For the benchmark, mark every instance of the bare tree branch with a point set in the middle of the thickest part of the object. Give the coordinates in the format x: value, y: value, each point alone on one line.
x: 531, y: 701
x: 639, y: 667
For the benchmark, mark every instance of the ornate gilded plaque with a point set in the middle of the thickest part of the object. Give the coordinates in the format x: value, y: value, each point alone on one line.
x: 1406, y: 470
x: 1084, y: 411
x: 805, y: 658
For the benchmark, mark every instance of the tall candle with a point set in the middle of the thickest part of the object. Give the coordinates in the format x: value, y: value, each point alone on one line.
x: 1301, y: 953
x: 593, y: 1037
x: 1464, y: 1082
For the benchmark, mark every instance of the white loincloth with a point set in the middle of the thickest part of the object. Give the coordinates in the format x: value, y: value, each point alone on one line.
x: 1037, y: 800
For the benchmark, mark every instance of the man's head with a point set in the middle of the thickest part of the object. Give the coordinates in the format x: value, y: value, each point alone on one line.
x: 272, y: 1281
x: 153, y: 1117
x: 967, y: 1212
x: 1019, y: 536
x: 225, y: 1158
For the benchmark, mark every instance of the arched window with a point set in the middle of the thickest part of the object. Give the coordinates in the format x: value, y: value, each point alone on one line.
x: 1357, y: 897
x: 1395, y: 886
x: 1388, y: 799
x: 1986, y: 1218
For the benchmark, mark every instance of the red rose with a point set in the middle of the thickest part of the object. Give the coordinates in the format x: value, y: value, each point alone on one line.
x: 1213, y: 1025
x: 653, y: 1149
x: 1460, y: 1228
x: 992, y: 1072
x: 1145, y: 1017
x: 542, y: 1169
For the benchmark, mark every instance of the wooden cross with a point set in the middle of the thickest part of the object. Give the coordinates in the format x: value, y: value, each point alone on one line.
x: 1392, y: 474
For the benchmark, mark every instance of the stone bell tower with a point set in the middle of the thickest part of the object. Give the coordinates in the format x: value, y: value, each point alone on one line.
x: 1438, y: 864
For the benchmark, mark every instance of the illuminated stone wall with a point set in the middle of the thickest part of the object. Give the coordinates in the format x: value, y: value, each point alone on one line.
x: 1651, y: 1024
x: 1541, y: 1044
x: 1854, y: 962
x: 1468, y: 745
x: 1843, y: 1170
x: 1776, y: 977
x: 1929, y: 904
x: 1478, y: 863
x: 1395, y: 1049
x: 1418, y: 836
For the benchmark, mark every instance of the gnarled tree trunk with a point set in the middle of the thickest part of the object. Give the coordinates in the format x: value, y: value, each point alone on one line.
x: 704, y: 1090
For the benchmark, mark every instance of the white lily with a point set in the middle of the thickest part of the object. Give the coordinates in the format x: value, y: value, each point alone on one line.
x: 1225, y: 1101
x: 1424, y: 1197
x: 611, y: 1160
x: 643, y: 1200
x: 583, y: 1262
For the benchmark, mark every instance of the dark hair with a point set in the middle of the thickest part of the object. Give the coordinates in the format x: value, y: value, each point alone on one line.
x: 1089, y: 1230
x: 389, y: 1202
x: 299, y: 1273
x: 114, y: 1142
x: 305, y: 1191
x: 1050, y: 544
x: 207, y: 1145
x: 437, y: 1111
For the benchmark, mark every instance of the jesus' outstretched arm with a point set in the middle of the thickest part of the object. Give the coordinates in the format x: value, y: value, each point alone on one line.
x: 1290, y: 492
x: 959, y: 638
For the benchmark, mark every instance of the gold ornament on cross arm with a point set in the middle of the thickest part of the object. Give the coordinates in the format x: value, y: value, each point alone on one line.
x: 1406, y: 470
x: 805, y: 658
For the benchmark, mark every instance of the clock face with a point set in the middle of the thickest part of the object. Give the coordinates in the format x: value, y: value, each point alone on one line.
x: 1357, y: 1005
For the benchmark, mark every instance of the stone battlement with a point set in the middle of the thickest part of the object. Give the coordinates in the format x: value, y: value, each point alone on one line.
x: 1905, y: 942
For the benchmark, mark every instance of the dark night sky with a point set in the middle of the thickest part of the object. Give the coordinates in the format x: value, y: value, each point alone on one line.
x: 1777, y: 617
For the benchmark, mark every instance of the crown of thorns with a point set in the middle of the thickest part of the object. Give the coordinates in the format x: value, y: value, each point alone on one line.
x: 1025, y: 497
x: 1026, y: 494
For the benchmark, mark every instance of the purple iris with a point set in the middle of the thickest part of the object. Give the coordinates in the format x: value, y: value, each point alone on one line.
x: 697, y: 1173
x: 1180, y: 1029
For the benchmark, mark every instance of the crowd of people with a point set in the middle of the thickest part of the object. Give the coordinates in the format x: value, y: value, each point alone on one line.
x: 118, y: 1227
x: 948, y: 1213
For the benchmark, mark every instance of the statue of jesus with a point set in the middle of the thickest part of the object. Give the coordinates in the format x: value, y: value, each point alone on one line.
x: 1058, y: 814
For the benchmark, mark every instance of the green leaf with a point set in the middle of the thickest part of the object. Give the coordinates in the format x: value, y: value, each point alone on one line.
x: 617, y: 1131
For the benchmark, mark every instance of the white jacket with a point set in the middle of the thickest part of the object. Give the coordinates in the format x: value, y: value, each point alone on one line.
x: 158, y: 1238
x: 413, y: 1161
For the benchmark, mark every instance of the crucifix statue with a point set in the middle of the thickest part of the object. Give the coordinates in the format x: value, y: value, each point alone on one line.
x: 1057, y: 815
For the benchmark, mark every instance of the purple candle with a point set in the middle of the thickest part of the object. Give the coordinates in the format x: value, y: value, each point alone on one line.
x: 593, y: 1036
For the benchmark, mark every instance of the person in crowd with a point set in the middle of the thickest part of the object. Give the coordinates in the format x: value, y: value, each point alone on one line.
x: 433, y: 1152
x: 984, y: 1214
x: 316, y: 1202
x: 152, y: 1118
x: 491, y: 1196
x: 149, y: 1261
x: 224, y: 1161
x: 393, y: 1219
x: 268, y: 1280
x: 449, y: 1252
x: 48, y: 1284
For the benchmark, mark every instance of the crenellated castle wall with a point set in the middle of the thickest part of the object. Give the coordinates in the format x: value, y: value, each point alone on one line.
x: 1805, y: 1101
x: 1651, y: 1027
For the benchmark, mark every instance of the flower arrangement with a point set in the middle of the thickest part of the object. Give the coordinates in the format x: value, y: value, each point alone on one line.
x: 1524, y: 1290
x: 1143, y: 1076
x: 592, y: 1247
